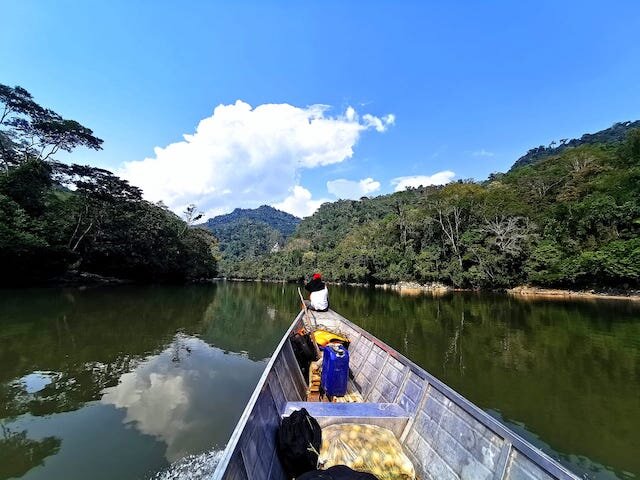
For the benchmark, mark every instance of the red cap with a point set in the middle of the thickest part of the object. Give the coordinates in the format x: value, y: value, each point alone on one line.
x: 316, y: 276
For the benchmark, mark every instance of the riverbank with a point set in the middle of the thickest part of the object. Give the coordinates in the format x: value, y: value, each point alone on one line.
x: 414, y: 288
x: 533, y: 293
x: 78, y: 279
x: 404, y: 288
x: 522, y: 291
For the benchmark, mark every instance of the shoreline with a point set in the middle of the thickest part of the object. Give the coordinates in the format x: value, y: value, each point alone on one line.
x: 84, y: 280
x: 532, y: 293
x: 524, y: 292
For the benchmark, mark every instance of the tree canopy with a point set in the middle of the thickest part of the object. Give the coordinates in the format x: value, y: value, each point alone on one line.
x: 57, y: 217
x: 571, y: 219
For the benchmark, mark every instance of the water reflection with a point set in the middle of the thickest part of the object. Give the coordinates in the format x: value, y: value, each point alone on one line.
x: 250, y: 317
x: 147, y: 374
x: 88, y: 338
x: 36, y: 381
x: 569, y: 371
x: 19, y: 454
x: 151, y: 374
x: 186, y: 394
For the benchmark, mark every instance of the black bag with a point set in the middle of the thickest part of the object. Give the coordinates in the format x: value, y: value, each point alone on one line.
x: 299, y: 440
x: 337, y: 472
x: 304, y: 351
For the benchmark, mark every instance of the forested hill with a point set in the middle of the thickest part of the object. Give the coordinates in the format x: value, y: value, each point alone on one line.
x: 247, y: 234
x: 614, y: 134
x: 284, y: 222
x: 571, y: 219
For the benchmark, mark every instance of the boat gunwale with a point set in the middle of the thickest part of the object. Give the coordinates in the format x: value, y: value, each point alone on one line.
x: 534, y: 454
x: 230, y: 448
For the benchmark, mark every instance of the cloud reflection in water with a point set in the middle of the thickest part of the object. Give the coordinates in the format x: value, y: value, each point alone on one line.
x: 189, y: 396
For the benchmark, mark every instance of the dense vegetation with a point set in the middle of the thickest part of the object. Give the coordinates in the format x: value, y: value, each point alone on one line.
x: 283, y: 222
x: 56, y: 218
x: 614, y: 134
x: 248, y: 234
x: 567, y: 220
x: 565, y: 216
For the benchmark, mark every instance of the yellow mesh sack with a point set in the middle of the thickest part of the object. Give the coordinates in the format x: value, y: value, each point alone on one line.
x: 366, y: 448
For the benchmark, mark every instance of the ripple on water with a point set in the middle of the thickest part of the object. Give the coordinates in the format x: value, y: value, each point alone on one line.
x: 192, y: 467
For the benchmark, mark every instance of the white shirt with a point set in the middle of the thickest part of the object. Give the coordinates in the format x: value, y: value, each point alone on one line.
x: 320, y: 299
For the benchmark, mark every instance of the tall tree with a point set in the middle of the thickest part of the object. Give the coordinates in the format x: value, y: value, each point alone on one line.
x: 29, y: 131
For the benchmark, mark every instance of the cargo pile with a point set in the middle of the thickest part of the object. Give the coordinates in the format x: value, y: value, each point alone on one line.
x: 366, y: 448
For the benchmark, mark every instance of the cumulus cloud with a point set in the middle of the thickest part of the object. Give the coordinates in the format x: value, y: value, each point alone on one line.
x: 243, y: 156
x: 299, y: 202
x: 350, y: 189
x: 439, y: 178
x: 482, y: 153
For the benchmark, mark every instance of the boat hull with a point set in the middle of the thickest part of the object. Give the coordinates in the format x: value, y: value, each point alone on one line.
x: 444, y: 434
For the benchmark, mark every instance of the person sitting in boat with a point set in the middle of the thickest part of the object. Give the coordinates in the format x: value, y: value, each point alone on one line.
x: 318, y: 294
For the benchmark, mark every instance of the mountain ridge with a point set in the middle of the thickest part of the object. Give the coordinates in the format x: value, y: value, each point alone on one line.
x: 614, y: 134
x: 284, y: 222
x: 248, y: 233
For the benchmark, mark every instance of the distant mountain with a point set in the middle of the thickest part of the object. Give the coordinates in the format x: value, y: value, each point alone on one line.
x: 614, y: 134
x: 283, y: 222
x: 246, y: 234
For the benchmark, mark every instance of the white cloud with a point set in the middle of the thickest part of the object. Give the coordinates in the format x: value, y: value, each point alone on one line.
x: 350, y: 189
x: 242, y: 156
x: 380, y: 124
x: 482, y: 153
x: 299, y: 202
x: 439, y: 178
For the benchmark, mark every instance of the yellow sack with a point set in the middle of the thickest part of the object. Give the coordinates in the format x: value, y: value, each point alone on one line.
x: 366, y: 448
x: 323, y: 337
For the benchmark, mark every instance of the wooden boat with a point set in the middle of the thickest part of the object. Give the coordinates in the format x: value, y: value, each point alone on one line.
x: 444, y: 434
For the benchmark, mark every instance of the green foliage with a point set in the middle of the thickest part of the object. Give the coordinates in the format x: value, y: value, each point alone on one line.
x: 547, y: 264
x: 27, y: 184
x: 617, y: 261
x: 56, y: 217
x: 571, y: 219
x: 281, y: 221
x: 247, y: 234
x: 615, y: 134
x: 31, y: 131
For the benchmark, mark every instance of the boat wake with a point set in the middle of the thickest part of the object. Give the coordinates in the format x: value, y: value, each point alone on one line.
x: 192, y: 467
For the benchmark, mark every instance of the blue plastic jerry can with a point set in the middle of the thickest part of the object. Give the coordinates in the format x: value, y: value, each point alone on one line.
x: 335, y: 370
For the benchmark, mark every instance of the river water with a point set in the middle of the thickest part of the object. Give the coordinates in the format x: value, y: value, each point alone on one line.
x: 148, y: 382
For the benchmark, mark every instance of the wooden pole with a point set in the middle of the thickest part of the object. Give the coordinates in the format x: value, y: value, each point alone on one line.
x: 312, y: 324
x: 305, y: 316
x: 309, y: 327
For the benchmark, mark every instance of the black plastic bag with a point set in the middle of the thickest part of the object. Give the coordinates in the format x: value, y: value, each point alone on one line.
x: 299, y: 440
x: 337, y: 472
x: 304, y: 351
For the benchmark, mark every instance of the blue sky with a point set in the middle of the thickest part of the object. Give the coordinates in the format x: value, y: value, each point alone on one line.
x: 461, y: 87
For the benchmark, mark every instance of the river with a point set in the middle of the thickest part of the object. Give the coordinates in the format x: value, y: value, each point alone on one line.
x: 137, y: 382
